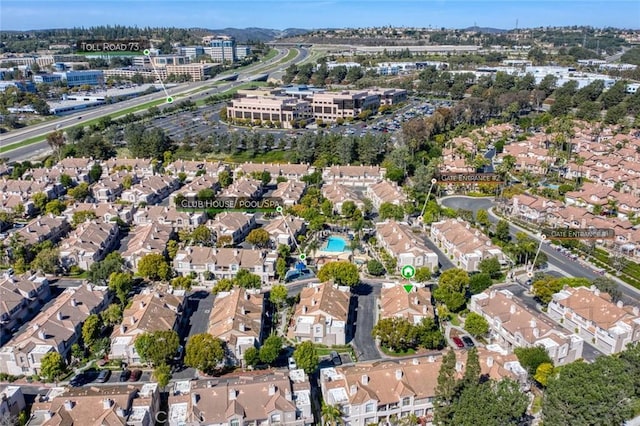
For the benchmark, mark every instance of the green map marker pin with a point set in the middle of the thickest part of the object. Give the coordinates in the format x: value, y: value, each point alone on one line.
x: 408, y: 271
x: 408, y: 287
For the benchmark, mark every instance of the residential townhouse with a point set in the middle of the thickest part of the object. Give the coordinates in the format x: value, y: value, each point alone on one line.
x: 131, y: 405
x: 257, y: 398
x: 26, y: 189
x: 358, y: 176
x: 143, y: 240
x: 81, y: 164
x: 189, y: 192
x: 20, y: 299
x: 104, y: 211
x: 149, y: 311
x: 414, y: 306
x: 163, y: 215
x: 406, y: 246
x: 56, y: 328
x: 236, y: 318
x: 289, y: 192
x: 531, y: 208
x: 194, y: 169
x: 89, y: 243
x: 466, y: 246
x: 322, y: 315
x: 235, y: 225
x: 243, y: 188
x: 11, y: 402
x: 385, y: 192
x: 151, y: 190
x: 54, y: 174
x: 598, y: 320
x: 382, y: 392
x: 589, y: 196
x: 210, y: 263
x: 513, y: 325
x: 284, y: 229
x: 338, y: 194
x: 109, y: 188
x: 10, y: 203
x: 138, y: 166
x: 288, y: 170
x: 44, y: 228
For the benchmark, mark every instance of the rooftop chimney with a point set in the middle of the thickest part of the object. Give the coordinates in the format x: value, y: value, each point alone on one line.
x: 107, y: 403
x: 636, y: 311
x: 353, y: 389
x: 415, y: 361
x: 489, y: 361
x: 68, y: 405
x: 364, y: 379
x: 398, y: 374
x: 133, y: 320
x: 241, y: 327
x: 536, y: 332
x: 416, y: 301
x: 287, y: 394
x: 195, y: 398
x: 492, y: 294
x: 142, y: 305
x: 74, y: 302
x: 122, y: 329
x: 59, y: 316
x: 619, y: 304
x: 272, y: 389
x: 304, y: 309
x: 533, y: 323
x: 512, y: 309
x: 232, y: 394
x: 121, y: 412
x: 42, y: 335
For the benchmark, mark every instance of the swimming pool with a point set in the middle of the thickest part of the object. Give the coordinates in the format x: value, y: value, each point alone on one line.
x: 336, y: 244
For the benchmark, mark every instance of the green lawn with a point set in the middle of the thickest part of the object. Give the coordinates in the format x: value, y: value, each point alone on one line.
x: 389, y: 352
x: 272, y: 54
x: 267, y: 157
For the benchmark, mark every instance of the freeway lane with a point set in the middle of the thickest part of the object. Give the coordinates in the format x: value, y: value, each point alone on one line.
x: 631, y: 295
x: 41, y: 148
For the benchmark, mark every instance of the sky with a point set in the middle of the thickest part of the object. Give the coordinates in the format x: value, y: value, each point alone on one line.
x: 310, y: 14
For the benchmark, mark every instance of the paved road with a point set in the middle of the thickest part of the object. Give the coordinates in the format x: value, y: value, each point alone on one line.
x: 555, y: 258
x: 364, y: 319
x: 41, y: 148
x: 443, y: 260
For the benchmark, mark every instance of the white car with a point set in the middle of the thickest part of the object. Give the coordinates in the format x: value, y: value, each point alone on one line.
x: 292, y: 364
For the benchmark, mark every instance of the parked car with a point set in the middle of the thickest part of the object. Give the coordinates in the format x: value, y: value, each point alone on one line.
x: 124, y: 376
x: 335, y: 358
x: 103, y: 377
x: 458, y: 342
x: 135, y: 375
x: 468, y: 342
x: 292, y: 364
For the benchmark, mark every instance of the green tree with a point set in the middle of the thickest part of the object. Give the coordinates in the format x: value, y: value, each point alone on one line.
x: 476, y: 325
x: 112, y: 315
x: 532, y: 358
x: 428, y: 334
x: 201, y: 235
x: 423, y: 274
x: 246, y: 279
x: 271, y: 348
x: 55, y: 207
x: 40, y: 200
x: 278, y: 295
x: 252, y: 356
x: 204, y: 352
x: 47, y: 261
x: 91, y: 330
x: 472, y: 371
x: 52, y: 366
x: 397, y: 334
x: 543, y: 373
x: 80, y: 192
x: 482, y: 218
x: 121, y: 283
x: 445, y: 390
x: 82, y: 216
x: 100, y: 272
x: 390, y: 211
x: 545, y: 287
x: 479, y: 283
x: 502, y: 231
x: 225, y: 179
x: 341, y: 272
x: 95, y: 173
x: 281, y: 268
x: 375, y: 268
x: 607, y: 285
x: 162, y: 375
x: 258, y: 238
x: 451, y: 289
x: 182, y: 282
x: 157, y: 347
x: 172, y: 249
x: 491, y: 403
x: 332, y: 415
x: 306, y: 357
x: 490, y: 266
x: 154, y: 267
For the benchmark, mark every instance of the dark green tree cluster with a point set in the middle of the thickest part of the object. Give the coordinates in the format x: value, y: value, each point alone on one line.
x: 399, y: 335
x: 473, y: 400
x: 243, y: 279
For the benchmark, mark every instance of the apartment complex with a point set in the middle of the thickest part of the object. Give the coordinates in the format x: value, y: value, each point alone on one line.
x: 513, y: 325
x: 105, y: 405
x: 89, y: 243
x: 55, y: 329
x: 385, y: 192
x: 20, y: 299
x: 145, y: 239
x: 322, y: 315
x: 260, y: 398
x: 236, y: 318
x: 414, y: 306
x: 607, y: 325
x: 466, y: 246
x: 210, y: 263
x: 233, y: 225
x: 408, y: 248
x: 382, y: 392
x: 149, y: 311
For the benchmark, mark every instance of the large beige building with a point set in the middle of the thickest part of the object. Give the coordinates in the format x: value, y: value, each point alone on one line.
x: 607, y: 325
x: 408, y: 248
x: 329, y: 106
x: 512, y: 326
x: 414, y: 306
x: 275, y: 109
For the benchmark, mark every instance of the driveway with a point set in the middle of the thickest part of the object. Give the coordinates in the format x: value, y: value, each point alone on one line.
x: 199, y: 304
x: 363, y: 320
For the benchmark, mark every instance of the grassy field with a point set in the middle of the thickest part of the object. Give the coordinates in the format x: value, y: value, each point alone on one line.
x: 272, y: 54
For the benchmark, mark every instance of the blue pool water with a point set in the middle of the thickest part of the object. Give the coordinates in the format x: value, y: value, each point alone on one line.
x: 336, y: 244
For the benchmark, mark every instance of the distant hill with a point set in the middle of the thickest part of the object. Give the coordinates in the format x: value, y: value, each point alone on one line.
x: 259, y: 34
x: 487, y: 30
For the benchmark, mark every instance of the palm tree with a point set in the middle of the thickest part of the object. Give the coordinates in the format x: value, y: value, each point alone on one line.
x: 331, y: 415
